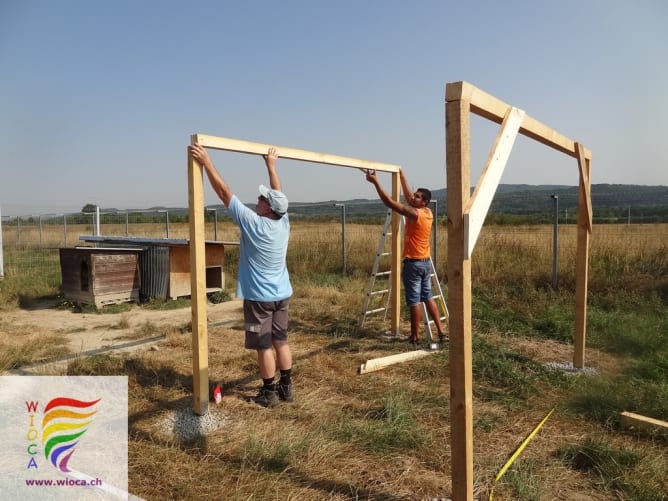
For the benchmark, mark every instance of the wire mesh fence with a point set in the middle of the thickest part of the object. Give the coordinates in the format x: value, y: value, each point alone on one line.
x: 30, y: 244
x: 326, y: 237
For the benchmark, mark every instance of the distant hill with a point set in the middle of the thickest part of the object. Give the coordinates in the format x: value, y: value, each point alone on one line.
x: 613, y: 201
x: 524, y: 198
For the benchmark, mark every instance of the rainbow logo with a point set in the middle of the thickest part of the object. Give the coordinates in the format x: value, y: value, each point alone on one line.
x: 65, y: 421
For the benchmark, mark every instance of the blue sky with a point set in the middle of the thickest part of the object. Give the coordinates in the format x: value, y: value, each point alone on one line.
x: 98, y: 98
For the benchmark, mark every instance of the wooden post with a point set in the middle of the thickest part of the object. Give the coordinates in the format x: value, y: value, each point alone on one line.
x: 582, y: 259
x: 198, y: 287
x: 464, y: 218
x: 395, y: 298
x: 457, y: 144
x: 197, y: 247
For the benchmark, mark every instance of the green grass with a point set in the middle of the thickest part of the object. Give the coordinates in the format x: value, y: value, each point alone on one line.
x: 389, y: 427
x: 508, y: 377
x: 524, y: 480
x: 400, y: 413
x: 618, y: 469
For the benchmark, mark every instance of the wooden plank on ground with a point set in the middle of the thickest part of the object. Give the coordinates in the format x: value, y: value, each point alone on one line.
x: 376, y: 364
x: 645, y: 423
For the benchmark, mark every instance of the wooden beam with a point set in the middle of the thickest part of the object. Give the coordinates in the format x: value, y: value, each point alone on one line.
x: 376, y: 364
x: 458, y: 171
x: 240, y: 146
x: 395, y: 278
x: 632, y: 420
x: 477, y: 207
x: 198, y: 287
x: 462, y: 99
x: 582, y: 265
x: 584, y: 182
x: 492, y: 108
x: 227, y: 144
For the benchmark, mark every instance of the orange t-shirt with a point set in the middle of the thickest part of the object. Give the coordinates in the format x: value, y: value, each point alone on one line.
x: 416, y: 240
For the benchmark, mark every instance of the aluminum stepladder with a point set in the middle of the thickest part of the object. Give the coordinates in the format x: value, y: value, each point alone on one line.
x: 439, y: 299
x: 377, y: 299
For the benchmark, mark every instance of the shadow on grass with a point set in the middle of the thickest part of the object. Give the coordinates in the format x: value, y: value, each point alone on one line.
x: 198, y: 446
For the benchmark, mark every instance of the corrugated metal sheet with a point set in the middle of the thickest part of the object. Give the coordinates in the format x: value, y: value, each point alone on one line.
x: 154, y: 266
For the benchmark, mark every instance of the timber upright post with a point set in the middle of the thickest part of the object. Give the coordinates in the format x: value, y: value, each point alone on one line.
x: 458, y: 159
x: 2, y: 266
x: 197, y: 257
x: 585, y: 219
x: 465, y: 215
x: 200, y: 347
x: 395, y: 288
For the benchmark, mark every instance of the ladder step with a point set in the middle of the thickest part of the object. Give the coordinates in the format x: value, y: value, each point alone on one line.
x: 383, y: 273
x: 375, y: 293
x: 377, y: 310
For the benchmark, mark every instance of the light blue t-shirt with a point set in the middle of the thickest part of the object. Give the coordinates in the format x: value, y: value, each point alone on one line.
x: 263, y: 273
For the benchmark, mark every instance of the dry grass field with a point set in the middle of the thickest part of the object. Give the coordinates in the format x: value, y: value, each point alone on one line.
x: 386, y: 435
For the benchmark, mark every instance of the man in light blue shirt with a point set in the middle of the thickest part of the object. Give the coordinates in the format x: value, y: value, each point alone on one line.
x: 263, y: 281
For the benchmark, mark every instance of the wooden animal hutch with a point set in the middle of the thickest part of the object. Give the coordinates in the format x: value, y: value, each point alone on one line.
x: 100, y: 276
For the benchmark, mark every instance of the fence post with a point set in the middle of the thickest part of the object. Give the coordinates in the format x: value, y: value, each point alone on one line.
x: 166, y: 224
x: 215, y: 221
x: 2, y: 265
x: 96, y: 224
x: 435, y: 231
x: 65, y: 230
x: 555, y: 245
x: 343, y: 237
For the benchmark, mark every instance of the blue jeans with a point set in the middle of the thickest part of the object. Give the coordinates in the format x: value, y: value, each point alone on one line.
x: 417, y: 282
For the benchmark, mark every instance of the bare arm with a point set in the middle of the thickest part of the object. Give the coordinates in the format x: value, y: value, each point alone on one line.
x: 218, y: 184
x: 404, y: 210
x: 408, y: 193
x: 270, y: 161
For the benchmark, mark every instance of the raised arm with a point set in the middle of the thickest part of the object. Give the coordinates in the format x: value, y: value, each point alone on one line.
x: 270, y: 161
x: 405, y: 210
x: 218, y: 184
x: 408, y: 193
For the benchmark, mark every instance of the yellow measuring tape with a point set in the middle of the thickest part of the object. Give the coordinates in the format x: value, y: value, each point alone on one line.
x: 519, y: 451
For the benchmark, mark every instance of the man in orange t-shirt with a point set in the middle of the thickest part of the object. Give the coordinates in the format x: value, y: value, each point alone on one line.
x: 416, y: 272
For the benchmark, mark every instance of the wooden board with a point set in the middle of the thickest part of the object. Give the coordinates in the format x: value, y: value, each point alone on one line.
x: 645, y: 423
x: 376, y: 364
x: 200, y: 339
x: 462, y: 99
x: 494, y: 109
x: 228, y: 144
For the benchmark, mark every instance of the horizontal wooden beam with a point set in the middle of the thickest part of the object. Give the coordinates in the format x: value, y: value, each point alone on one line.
x: 492, y: 108
x: 377, y: 364
x: 240, y: 146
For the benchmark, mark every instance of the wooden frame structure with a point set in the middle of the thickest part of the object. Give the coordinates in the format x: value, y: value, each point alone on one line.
x: 465, y: 215
x: 197, y: 259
